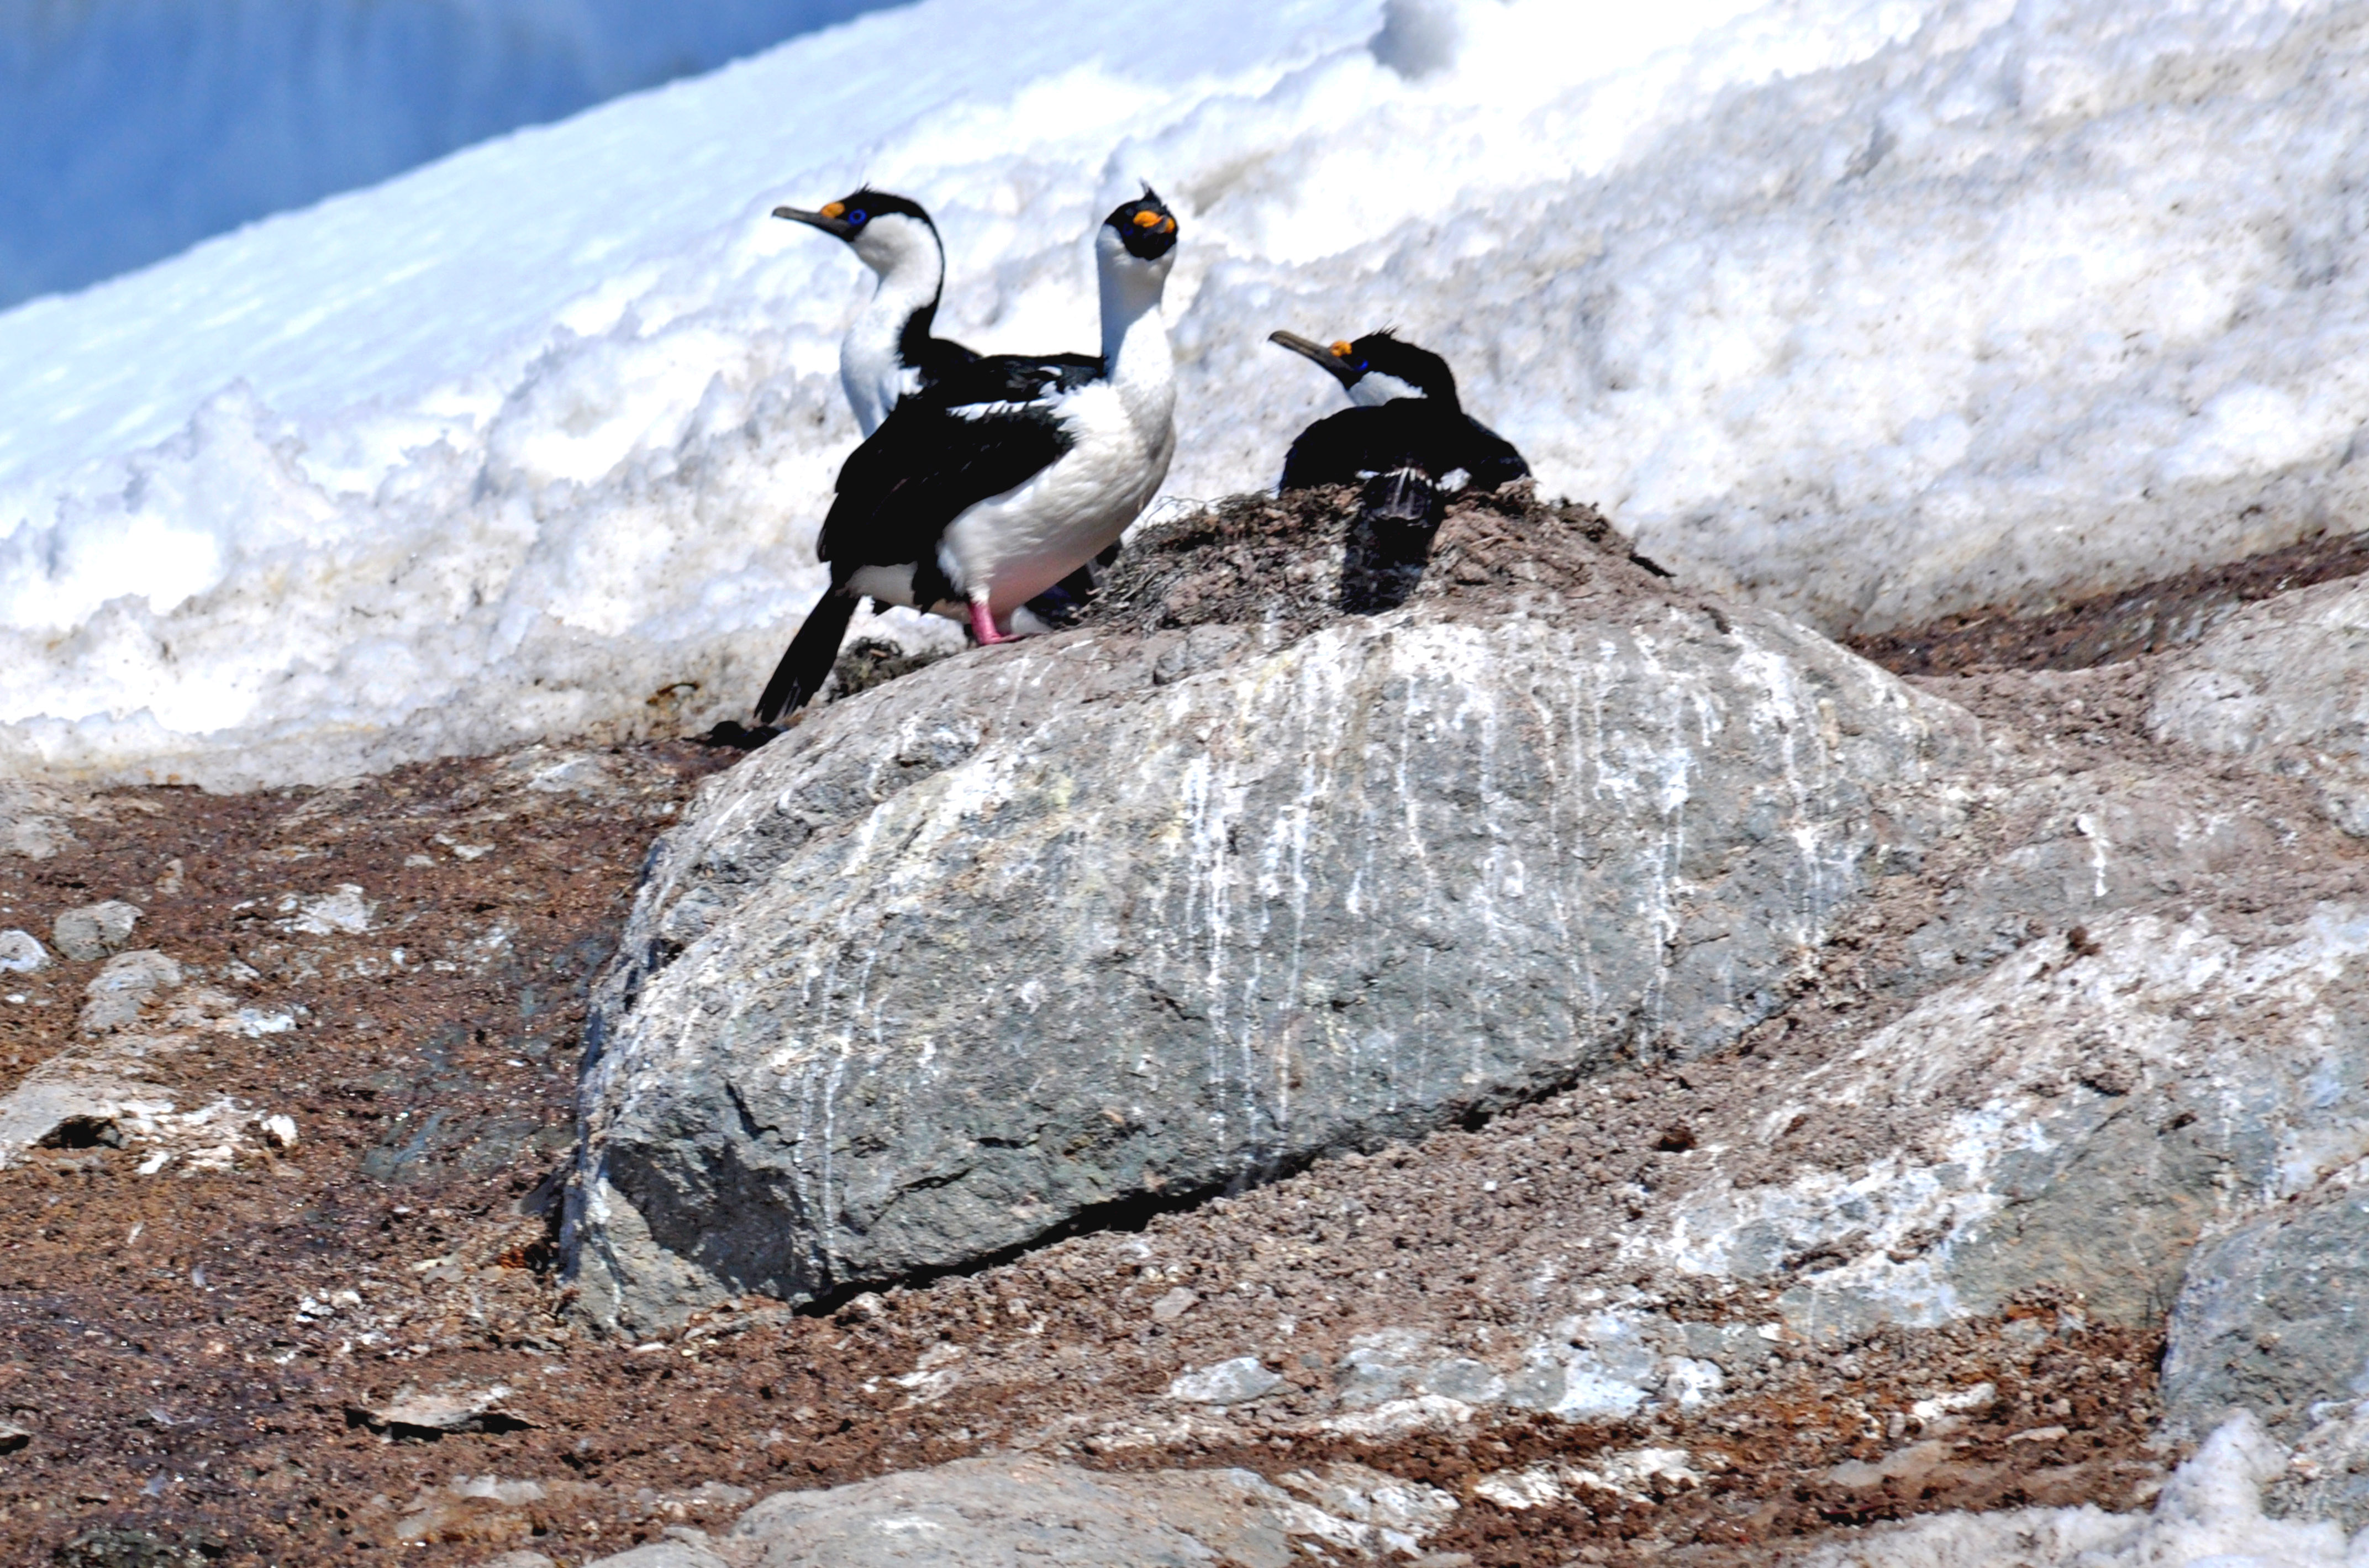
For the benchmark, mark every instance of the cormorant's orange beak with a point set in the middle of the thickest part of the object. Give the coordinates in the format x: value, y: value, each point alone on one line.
x: 829, y: 220
x: 1333, y: 359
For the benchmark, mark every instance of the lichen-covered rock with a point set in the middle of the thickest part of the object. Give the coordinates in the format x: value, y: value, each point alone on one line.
x: 1111, y: 917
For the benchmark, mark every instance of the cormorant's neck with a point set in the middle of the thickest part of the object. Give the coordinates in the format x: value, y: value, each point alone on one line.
x: 914, y: 340
x: 905, y: 301
x: 1135, y: 333
x: 887, y: 342
x: 1375, y: 388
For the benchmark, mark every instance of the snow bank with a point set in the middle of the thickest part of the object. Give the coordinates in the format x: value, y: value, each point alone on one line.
x: 2208, y: 1515
x: 137, y: 127
x: 1865, y: 308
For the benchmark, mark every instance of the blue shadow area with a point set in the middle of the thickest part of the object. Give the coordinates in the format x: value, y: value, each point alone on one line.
x: 132, y: 129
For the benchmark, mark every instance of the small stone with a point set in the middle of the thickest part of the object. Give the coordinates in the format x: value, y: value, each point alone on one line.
x: 115, y: 995
x: 94, y: 931
x: 13, y: 1437
x: 344, y: 913
x: 40, y: 837
x: 1175, y: 1305
x: 1237, y: 1381
x: 433, y: 1414
x: 281, y: 1130
x: 21, y: 953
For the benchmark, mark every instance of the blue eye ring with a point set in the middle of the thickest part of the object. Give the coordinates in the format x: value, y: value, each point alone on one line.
x: 858, y: 217
x: 1363, y: 367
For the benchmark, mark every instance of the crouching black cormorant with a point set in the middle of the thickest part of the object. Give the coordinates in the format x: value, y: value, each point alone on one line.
x: 1408, y: 441
x: 998, y: 480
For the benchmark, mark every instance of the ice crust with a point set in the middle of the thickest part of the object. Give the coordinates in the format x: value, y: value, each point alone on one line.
x: 1865, y: 309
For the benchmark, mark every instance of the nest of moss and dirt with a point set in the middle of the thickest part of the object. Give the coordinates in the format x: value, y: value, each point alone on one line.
x: 1292, y: 563
x: 1299, y: 560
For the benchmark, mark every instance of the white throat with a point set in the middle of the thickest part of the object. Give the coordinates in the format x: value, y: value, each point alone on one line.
x: 911, y: 264
x: 1136, y: 357
x: 1374, y: 389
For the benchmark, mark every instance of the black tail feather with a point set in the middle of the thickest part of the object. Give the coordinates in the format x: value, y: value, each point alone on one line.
x: 1389, y: 546
x: 806, y: 663
x: 1404, y: 500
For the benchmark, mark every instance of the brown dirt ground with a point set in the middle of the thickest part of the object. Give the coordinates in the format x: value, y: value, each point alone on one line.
x: 182, y: 1403
x: 2107, y: 628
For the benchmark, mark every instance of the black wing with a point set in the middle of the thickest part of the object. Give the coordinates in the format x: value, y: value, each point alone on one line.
x: 1344, y: 448
x: 935, y: 358
x: 1489, y: 457
x: 996, y: 378
x: 930, y: 460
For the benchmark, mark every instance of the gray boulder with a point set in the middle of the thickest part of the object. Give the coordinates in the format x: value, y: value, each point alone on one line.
x: 2283, y: 684
x: 2076, y: 1117
x: 1000, y: 1512
x: 1108, y: 918
x: 2274, y: 1317
x: 94, y: 931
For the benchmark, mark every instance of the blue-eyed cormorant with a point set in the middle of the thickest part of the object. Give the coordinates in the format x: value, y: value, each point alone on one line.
x: 1006, y: 474
x: 1408, y: 441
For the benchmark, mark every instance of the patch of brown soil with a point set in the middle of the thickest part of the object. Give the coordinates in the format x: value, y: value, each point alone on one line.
x: 180, y: 1350
x: 193, y: 1351
x: 2152, y: 618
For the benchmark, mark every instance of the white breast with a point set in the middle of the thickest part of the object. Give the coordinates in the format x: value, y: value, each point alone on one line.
x: 868, y: 368
x: 1024, y: 541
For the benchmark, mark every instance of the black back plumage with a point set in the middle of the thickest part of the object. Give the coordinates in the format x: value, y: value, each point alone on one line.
x: 1405, y: 446
x: 1423, y: 429
x: 984, y: 428
x: 1355, y: 443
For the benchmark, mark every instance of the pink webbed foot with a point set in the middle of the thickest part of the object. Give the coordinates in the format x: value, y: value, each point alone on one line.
x: 982, y: 625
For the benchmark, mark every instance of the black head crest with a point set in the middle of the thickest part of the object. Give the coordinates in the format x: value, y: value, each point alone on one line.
x: 850, y: 215
x: 1146, y: 227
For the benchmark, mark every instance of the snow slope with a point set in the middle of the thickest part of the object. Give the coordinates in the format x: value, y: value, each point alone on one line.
x: 1867, y: 308
x: 135, y: 127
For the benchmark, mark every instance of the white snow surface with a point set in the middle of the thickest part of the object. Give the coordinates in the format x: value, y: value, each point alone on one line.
x: 1865, y: 309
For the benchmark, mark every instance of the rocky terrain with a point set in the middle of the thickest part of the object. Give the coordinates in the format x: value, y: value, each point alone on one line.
x: 1565, y: 1070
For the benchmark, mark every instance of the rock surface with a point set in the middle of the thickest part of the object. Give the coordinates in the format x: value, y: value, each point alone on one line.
x: 2075, y: 1118
x: 931, y: 976
x: 2284, y: 684
x: 990, y: 1513
x: 94, y: 931
x: 2275, y: 1315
